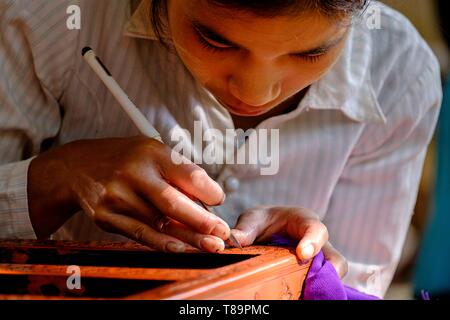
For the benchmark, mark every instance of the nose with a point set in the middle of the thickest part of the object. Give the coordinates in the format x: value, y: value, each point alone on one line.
x: 254, y: 87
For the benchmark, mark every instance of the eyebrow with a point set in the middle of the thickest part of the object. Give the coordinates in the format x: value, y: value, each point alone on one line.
x: 210, y: 34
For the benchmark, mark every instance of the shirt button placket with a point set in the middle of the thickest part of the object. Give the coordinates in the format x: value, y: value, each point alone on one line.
x: 231, y: 184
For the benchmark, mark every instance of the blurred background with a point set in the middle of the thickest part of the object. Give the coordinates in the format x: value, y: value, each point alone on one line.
x: 424, y: 270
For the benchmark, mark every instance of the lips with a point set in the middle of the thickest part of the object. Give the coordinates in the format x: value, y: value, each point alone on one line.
x: 249, y: 111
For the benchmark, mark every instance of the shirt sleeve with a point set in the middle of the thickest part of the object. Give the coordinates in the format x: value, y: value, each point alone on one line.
x: 36, y: 50
x: 373, y: 201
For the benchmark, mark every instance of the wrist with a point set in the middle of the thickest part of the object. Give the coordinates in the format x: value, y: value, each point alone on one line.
x: 50, y: 201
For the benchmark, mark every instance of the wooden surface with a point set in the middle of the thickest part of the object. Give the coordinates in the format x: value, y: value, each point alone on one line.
x: 38, y: 270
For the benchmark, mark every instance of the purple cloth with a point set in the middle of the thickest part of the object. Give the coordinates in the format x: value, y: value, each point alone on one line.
x: 322, y: 281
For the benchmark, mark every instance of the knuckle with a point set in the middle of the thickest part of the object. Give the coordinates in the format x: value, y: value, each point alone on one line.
x: 115, y: 195
x: 122, y: 169
x: 316, y: 223
x: 206, y: 224
x: 307, y: 213
x: 171, y: 206
x: 125, y: 170
x: 178, y: 160
x: 322, y: 229
x: 144, y: 142
x: 161, y: 223
x: 101, y: 219
x: 156, y: 222
x: 113, y: 189
x: 198, y: 175
x: 146, y: 150
x: 136, y: 167
x: 139, y: 233
x: 246, y: 214
x: 153, y: 147
x: 326, y: 234
x: 344, y: 267
x: 341, y: 265
x: 260, y: 211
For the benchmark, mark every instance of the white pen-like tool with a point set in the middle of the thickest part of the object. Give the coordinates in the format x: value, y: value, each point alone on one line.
x: 132, y: 111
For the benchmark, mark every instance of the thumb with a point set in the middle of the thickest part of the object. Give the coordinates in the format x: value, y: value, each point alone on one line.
x: 245, y: 238
x: 312, y: 234
x: 249, y: 226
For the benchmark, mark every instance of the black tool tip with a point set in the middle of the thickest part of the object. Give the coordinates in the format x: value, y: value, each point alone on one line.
x: 85, y: 50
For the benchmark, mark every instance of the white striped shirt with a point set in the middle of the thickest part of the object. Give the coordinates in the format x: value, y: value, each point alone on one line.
x: 352, y: 150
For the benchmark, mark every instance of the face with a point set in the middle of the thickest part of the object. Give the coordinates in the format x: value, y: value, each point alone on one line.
x: 252, y: 64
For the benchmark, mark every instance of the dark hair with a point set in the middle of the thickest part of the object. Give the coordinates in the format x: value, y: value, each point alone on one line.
x: 267, y: 8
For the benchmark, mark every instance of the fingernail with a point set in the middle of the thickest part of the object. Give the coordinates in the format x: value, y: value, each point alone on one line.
x: 212, y: 245
x: 220, y: 231
x: 175, y: 247
x: 307, y: 251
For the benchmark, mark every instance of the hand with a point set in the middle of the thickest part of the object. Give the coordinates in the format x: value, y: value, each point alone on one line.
x: 259, y: 224
x: 128, y: 186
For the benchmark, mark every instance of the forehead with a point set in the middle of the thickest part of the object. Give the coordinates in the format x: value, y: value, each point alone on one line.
x: 304, y: 30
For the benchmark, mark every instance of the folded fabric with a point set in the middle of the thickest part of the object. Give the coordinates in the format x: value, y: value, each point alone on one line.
x: 322, y: 281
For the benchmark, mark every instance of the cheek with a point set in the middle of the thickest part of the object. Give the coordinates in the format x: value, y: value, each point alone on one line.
x: 302, y: 75
x: 203, y: 68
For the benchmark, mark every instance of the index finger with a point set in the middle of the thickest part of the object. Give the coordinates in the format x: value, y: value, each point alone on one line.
x: 193, y: 180
x: 180, y: 207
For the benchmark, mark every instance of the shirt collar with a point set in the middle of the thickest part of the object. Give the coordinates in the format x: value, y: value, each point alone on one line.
x: 347, y: 86
x: 139, y: 25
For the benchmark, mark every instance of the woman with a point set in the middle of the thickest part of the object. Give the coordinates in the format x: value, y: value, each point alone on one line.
x: 354, y: 108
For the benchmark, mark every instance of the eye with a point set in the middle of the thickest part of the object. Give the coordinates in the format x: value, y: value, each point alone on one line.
x: 210, y: 44
x: 309, y: 57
